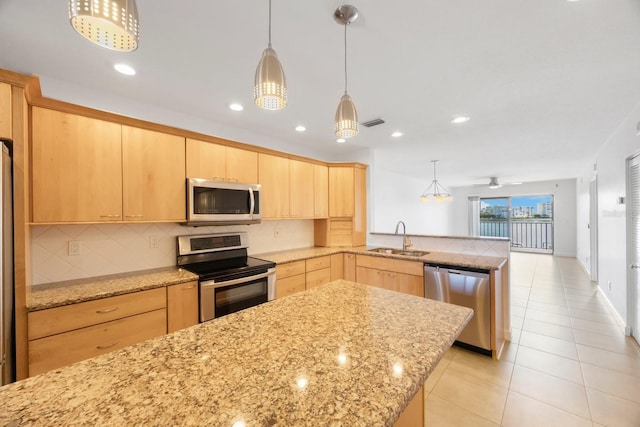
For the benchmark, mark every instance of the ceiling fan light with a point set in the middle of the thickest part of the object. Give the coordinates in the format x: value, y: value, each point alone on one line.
x: 112, y: 24
x: 346, y: 118
x: 270, y: 89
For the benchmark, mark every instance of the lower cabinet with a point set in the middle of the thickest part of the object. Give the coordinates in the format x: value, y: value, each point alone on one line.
x: 413, y: 414
x: 182, y: 306
x: 63, y: 335
x: 392, y: 274
x: 318, y: 271
x: 290, y: 278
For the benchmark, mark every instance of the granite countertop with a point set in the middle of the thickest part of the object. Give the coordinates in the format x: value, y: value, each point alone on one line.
x: 342, y: 354
x: 445, y: 258
x: 73, y: 291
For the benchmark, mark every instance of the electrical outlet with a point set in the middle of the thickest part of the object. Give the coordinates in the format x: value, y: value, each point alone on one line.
x: 609, y: 284
x: 154, y: 242
x: 276, y: 231
x: 73, y: 247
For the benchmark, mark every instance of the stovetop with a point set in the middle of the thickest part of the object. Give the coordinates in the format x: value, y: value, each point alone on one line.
x: 231, y: 266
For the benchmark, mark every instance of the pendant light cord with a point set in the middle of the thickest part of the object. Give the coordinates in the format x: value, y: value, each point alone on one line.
x: 345, y: 58
x: 269, y: 23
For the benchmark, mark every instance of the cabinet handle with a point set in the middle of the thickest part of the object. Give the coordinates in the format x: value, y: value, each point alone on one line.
x: 232, y: 179
x: 218, y: 178
x: 188, y: 287
x: 391, y: 274
x: 109, y: 216
x: 107, y: 310
x: 134, y: 216
x: 104, y: 347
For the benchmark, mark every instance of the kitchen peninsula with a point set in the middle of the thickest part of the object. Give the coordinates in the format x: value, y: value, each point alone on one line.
x: 338, y: 354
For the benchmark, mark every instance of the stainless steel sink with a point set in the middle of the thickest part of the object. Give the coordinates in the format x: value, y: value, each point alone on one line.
x: 391, y: 251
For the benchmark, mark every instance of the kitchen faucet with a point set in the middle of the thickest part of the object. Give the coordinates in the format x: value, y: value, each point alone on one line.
x: 406, y: 241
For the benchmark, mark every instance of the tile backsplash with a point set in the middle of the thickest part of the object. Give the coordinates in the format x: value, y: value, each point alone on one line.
x: 118, y: 248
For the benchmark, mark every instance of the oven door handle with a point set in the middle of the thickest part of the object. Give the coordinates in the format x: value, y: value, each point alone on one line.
x: 214, y: 284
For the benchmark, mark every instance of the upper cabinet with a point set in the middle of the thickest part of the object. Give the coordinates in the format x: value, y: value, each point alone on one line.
x: 153, y: 175
x: 341, y: 191
x: 274, y: 178
x: 301, y: 194
x: 90, y: 170
x: 321, y: 191
x: 76, y: 168
x: 5, y: 111
x: 221, y: 163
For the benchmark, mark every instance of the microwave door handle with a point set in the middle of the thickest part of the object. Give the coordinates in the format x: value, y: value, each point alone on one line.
x: 252, y: 202
x: 214, y: 284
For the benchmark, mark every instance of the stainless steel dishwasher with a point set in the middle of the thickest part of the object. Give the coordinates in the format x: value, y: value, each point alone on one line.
x: 468, y: 287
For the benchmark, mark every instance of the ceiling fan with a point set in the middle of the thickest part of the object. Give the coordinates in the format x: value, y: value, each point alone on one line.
x: 494, y: 183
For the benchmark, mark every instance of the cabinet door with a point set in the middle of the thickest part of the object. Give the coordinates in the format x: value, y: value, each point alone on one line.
x: 273, y: 175
x: 153, y: 175
x: 405, y: 283
x: 242, y: 165
x: 321, y: 191
x: 182, y: 306
x: 290, y: 285
x: 301, y: 195
x: 76, y: 168
x: 350, y: 267
x: 341, y: 191
x: 205, y: 160
x: 371, y: 277
x: 318, y: 277
x: 5, y: 111
x: 337, y: 266
x: 360, y: 207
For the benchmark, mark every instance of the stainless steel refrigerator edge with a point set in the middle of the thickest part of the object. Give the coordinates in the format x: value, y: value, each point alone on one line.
x: 467, y: 287
x: 7, y: 311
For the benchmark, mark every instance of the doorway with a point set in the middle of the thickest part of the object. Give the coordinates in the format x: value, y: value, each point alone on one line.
x: 526, y: 220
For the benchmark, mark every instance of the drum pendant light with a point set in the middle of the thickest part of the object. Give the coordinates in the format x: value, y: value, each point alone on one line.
x: 346, y: 125
x: 270, y: 89
x: 108, y: 23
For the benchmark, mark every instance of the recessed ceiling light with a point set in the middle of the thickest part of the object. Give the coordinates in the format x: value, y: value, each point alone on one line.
x: 341, y: 140
x: 300, y: 128
x: 125, y: 69
x: 236, y: 107
x: 460, y: 119
x: 396, y: 134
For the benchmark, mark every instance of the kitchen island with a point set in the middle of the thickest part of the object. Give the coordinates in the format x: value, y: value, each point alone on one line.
x: 340, y: 354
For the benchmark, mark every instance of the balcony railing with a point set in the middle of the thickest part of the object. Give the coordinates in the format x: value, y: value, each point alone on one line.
x: 526, y: 235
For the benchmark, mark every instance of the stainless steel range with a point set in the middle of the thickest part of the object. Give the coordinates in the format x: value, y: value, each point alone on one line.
x: 229, y: 280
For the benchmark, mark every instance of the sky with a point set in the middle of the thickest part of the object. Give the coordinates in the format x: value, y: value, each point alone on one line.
x: 517, y: 201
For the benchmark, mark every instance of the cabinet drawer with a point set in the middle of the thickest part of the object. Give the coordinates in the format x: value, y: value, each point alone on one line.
x: 390, y: 264
x: 290, y: 285
x: 69, y: 317
x: 60, y: 350
x: 318, y: 277
x: 318, y: 263
x: 289, y: 269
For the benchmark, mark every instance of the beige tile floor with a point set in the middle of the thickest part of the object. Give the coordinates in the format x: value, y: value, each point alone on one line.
x: 569, y: 363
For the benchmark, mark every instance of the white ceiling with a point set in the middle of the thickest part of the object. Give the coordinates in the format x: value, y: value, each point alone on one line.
x: 545, y: 82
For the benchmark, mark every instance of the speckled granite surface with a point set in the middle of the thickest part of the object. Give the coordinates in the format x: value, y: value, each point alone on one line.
x: 447, y: 258
x: 64, y: 293
x: 342, y: 354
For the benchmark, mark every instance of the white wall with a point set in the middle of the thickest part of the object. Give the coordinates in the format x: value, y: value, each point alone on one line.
x: 583, y: 219
x: 394, y: 197
x: 120, y: 248
x: 612, y: 223
x: 564, y: 198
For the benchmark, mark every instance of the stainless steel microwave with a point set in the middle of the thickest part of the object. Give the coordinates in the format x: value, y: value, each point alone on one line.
x: 220, y: 202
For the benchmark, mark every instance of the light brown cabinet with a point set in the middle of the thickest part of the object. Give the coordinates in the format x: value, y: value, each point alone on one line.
x: 76, y: 168
x: 318, y: 271
x: 413, y: 414
x: 337, y: 266
x: 347, y: 222
x: 5, y: 111
x: 290, y: 278
x: 395, y: 275
x: 350, y: 267
x: 90, y: 170
x: 273, y: 175
x: 182, y: 306
x: 301, y: 189
x: 220, y: 163
x: 321, y: 191
x: 153, y: 175
x: 63, y: 335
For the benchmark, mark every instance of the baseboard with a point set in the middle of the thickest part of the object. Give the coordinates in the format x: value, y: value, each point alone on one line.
x: 565, y: 254
x: 619, y: 320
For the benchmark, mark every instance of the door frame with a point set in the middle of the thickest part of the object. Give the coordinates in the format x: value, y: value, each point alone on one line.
x: 633, y: 321
x: 593, y: 228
